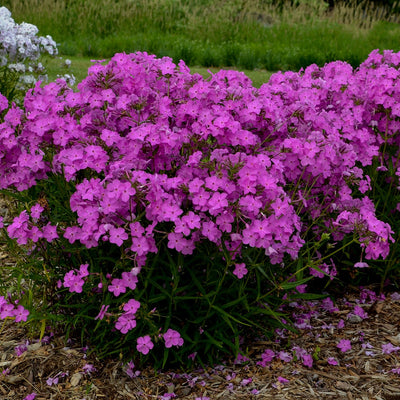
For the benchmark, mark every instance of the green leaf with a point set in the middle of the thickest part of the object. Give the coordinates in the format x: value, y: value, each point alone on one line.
x: 292, y: 285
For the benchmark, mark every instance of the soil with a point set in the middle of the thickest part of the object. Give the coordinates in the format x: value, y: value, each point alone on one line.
x: 364, y: 372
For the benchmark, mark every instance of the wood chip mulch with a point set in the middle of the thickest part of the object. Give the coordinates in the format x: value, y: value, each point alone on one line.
x: 362, y: 373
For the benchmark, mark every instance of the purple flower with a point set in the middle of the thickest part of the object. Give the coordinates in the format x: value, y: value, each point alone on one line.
x: 126, y: 322
x: 172, y: 338
x: 144, y: 344
x: 30, y: 396
x: 21, y: 314
x: 285, y: 356
x: 361, y: 265
x: 117, y: 236
x: 266, y: 357
x: 332, y: 361
x: 52, y: 381
x: 117, y: 287
x: 131, y: 306
x: 307, y: 360
x: 359, y: 311
x: 344, y: 345
x: 19, y: 350
x: 282, y: 380
x: 240, y: 270
x: 88, y: 369
x: 389, y: 348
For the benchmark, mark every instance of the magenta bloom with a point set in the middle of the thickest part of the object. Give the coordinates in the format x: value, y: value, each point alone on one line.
x: 21, y: 314
x: 361, y: 265
x: 172, y: 338
x: 332, y: 361
x: 389, y: 348
x: 240, y: 270
x: 31, y: 396
x: 102, y: 312
x: 144, y: 344
x: 344, y: 345
x: 132, y: 306
x: 125, y: 323
x: 117, y: 287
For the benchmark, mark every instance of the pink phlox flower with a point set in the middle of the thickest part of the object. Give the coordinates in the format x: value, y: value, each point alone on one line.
x: 103, y: 311
x: 217, y: 202
x: 246, y: 381
x: 31, y: 396
x: 83, y: 270
x: 307, y: 360
x: 358, y: 310
x: 192, y: 220
x: 361, y: 264
x: 109, y: 137
x: 396, y: 370
x: 332, y: 361
x: 125, y: 323
x: 388, y: 348
x: 117, y: 235
x: 167, y: 67
x: 302, y: 288
x: 395, y: 296
x: 72, y: 234
x: 285, y: 356
x: 340, y: 324
x: 172, y: 338
x: 267, y: 356
x: 144, y: 344
x: 282, y: 380
x: 3, y: 102
x: 240, y: 359
x: 344, y: 345
x: 240, y: 270
x: 21, y: 314
x: 210, y: 231
x: 117, y: 287
x: 52, y: 381
x: 129, y: 279
x: 140, y: 245
x: 129, y: 370
x: 327, y: 304
x: 131, y: 306
x: 36, y: 210
x: 6, y: 309
x: 88, y: 369
x: 73, y: 281
x: 49, y: 232
x: 19, y: 350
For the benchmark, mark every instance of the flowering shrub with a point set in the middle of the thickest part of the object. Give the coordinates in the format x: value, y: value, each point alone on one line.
x: 160, y: 208
x: 20, y: 53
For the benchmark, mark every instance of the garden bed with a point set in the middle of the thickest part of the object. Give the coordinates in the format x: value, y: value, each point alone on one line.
x: 366, y: 371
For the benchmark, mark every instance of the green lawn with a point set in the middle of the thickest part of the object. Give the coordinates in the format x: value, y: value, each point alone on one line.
x: 80, y: 65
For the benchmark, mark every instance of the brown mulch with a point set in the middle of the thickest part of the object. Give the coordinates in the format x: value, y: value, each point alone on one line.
x: 362, y: 373
x: 359, y: 374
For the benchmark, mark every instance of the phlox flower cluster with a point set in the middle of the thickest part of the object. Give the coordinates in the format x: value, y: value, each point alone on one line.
x: 20, y: 52
x: 160, y: 156
x: 9, y: 310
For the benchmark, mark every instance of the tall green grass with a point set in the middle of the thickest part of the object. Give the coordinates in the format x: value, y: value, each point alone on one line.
x: 79, y: 68
x: 248, y: 34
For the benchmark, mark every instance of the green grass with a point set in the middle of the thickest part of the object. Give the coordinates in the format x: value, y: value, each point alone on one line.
x: 248, y: 34
x: 80, y: 65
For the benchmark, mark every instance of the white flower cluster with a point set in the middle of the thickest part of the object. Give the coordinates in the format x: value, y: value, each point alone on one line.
x: 20, y: 42
x: 20, y: 51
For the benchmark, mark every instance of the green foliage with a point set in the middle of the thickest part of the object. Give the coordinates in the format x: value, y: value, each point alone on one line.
x: 248, y: 33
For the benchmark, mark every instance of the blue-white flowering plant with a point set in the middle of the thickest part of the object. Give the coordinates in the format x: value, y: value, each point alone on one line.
x: 21, y: 52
